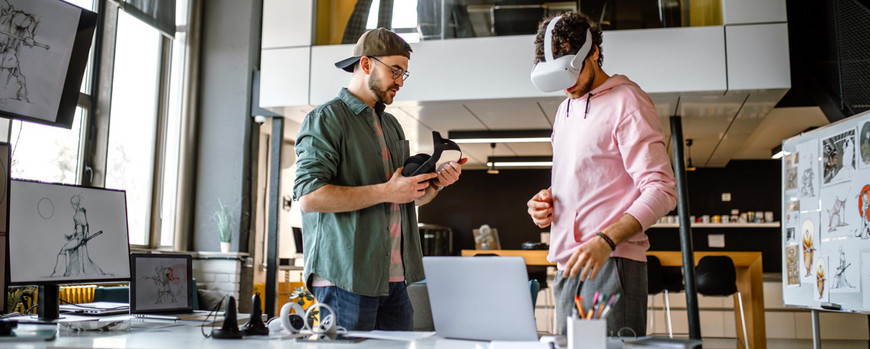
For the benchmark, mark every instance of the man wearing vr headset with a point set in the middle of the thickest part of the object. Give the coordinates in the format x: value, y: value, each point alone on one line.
x: 611, y: 176
x: 359, y: 224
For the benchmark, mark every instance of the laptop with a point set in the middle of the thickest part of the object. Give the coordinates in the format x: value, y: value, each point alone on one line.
x: 161, y: 287
x: 95, y: 308
x: 480, y: 298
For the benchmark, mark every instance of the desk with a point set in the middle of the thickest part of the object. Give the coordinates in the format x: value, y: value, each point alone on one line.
x: 749, y: 283
x: 188, y: 336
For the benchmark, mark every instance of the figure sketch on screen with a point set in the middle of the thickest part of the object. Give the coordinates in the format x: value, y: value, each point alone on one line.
x: 836, y: 215
x: 840, y: 277
x: 807, y: 179
x: 73, y: 258
x: 164, y: 278
x: 864, y: 206
x: 17, y: 32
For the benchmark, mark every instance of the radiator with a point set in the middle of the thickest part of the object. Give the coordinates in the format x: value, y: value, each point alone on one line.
x: 77, y: 294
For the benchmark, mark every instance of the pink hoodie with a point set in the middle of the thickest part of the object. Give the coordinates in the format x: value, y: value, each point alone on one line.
x: 609, y: 158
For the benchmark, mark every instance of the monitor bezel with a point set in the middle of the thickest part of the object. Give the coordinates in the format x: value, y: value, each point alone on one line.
x: 9, y: 281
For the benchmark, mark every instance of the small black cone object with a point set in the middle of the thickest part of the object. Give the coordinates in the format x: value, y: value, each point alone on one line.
x: 255, y: 325
x: 230, y: 328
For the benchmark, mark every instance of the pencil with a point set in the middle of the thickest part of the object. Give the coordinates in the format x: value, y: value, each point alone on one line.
x: 602, y: 306
x: 594, y: 303
x: 579, y: 301
x: 613, y: 299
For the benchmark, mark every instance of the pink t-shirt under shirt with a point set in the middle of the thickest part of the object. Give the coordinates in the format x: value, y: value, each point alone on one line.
x: 609, y: 159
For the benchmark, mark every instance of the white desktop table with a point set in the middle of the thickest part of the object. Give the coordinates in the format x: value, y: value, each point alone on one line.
x: 189, y: 336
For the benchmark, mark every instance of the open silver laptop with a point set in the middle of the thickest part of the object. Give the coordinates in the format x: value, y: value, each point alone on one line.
x: 95, y: 308
x: 483, y: 298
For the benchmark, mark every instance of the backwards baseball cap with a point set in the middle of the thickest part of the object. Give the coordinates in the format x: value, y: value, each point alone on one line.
x: 376, y: 42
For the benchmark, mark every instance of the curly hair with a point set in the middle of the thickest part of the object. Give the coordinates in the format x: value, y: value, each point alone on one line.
x: 568, y: 36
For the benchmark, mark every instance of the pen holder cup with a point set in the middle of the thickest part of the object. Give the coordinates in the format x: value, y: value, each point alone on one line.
x: 587, y: 334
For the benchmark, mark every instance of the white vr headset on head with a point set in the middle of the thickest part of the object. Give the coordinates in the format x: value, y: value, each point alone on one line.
x: 552, y: 75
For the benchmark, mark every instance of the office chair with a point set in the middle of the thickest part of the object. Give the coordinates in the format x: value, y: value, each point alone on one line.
x: 419, y: 295
x: 716, y: 276
x: 655, y: 285
x: 672, y: 281
x: 662, y: 280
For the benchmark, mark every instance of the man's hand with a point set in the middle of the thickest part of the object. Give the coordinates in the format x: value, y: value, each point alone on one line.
x: 589, y: 257
x: 448, y: 172
x: 400, y: 189
x: 541, y: 208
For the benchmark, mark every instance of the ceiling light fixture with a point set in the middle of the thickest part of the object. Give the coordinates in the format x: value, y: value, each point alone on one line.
x: 501, y: 136
x: 492, y: 169
x: 519, y: 161
x: 689, y: 166
x: 776, y: 152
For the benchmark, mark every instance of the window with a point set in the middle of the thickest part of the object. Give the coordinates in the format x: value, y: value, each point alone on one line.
x: 173, y: 129
x: 145, y: 125
x: 133, y: 121
x: 47, y: 153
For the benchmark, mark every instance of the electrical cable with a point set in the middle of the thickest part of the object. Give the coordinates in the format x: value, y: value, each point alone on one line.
x: 212, y: 313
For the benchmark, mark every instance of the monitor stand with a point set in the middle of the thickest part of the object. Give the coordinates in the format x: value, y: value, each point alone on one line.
x: 48, y: 308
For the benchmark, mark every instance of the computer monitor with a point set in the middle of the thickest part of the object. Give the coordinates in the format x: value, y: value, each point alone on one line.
x: 65, y: 234
x: 45, y: 51
x: 5, y: 160
x: 297, y: 238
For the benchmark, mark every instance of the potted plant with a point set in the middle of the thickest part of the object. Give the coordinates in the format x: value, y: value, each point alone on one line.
x: 305, y: 299
x: 223, y: 218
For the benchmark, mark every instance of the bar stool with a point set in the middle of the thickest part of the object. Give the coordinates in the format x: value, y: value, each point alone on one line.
x: 716, y: 276
x: 662, y: 280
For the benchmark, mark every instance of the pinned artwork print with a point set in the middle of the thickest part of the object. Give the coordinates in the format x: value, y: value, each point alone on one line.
x: 809, y: 245
x: 792, y: 258
x: 864, y: 145
x: 808, y: 174
x: 838, y: 157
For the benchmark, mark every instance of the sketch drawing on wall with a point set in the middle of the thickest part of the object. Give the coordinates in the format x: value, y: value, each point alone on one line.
x: 164, y: 279
x: 864, y: 210
x: 838, y: 153
x: 17, y: 33
x: 807, y: 245
x: 808, y: 179
x: 864, y: 138
x: 836, y: 215
x: 73, y: 258
x: 840, y: 280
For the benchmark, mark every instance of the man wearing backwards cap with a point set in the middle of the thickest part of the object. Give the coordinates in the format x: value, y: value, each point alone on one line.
x: 359, y: 224
x: 611, y: 177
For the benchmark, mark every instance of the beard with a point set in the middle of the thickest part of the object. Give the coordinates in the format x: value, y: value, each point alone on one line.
x: 583, y: 87
x: 381, y: 93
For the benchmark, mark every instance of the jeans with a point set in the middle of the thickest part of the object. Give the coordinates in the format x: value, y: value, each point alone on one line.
x: 363, y: 313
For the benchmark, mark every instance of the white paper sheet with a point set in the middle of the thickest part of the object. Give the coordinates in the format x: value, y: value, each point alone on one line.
x: 391, y: 335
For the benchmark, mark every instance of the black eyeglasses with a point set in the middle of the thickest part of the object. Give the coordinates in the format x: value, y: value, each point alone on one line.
x: 397, y: 72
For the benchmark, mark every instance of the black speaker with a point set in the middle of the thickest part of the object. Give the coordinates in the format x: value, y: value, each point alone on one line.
x: 230, y: 328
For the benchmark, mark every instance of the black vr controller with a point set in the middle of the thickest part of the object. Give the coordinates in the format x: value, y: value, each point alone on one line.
x: 424, y: 163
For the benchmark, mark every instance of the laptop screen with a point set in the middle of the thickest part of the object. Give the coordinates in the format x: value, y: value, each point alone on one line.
x: 161, y: 283
x: 485, y: 298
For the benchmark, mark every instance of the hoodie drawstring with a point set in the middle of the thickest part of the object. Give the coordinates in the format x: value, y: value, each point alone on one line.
x: 589, y: 96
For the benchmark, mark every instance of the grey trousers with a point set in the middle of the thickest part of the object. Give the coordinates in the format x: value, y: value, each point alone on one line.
x: 618, y: 275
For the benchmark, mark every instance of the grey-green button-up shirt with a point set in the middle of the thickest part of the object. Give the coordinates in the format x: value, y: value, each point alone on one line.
x: 337, y: 145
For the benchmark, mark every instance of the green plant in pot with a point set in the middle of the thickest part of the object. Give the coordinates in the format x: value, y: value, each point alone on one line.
x: 223, y: 219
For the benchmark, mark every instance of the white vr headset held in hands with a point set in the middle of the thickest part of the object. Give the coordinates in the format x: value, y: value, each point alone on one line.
x: 552, y: 75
